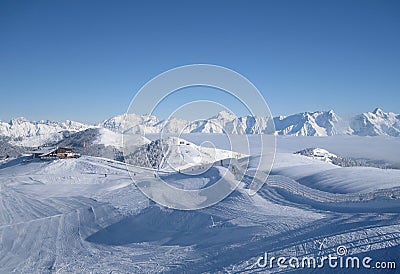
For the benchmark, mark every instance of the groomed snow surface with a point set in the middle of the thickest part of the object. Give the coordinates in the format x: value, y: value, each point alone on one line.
x: 86, y: 215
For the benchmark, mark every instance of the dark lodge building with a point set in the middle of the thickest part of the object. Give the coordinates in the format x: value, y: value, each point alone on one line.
x: 55, y: 153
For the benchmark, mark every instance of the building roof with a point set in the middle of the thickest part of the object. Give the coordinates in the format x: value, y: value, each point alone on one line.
x: 46, y: 150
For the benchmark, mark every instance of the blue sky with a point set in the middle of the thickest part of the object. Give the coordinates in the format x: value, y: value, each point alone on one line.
x: 85, y: 60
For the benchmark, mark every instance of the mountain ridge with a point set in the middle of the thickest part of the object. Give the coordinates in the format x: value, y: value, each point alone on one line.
x: 22, y: 132
x: 376, y: 123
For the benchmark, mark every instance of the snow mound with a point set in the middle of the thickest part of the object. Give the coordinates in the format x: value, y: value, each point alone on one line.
x: 325, y: 176
x: 174, y: 154
x: 318, y: 153
x: 182, y: 154
x: 326, y: 156
x: 353, y: 179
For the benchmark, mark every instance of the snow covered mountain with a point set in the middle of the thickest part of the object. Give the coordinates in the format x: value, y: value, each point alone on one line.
x: 131, y: 122
x: 173, y: 154
x: 318, y: 123
x: 22, y: 132
x: 229, y: 123
x: 220, y: 123
x: 376, y: 123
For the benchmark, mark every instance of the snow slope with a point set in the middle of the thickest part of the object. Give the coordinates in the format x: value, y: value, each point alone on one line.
x: 174, y: 154
x: 182, y: 155
x: 66, y: 216
x: 107, y: 137
x: 331, y: 178
x: 381, y: 149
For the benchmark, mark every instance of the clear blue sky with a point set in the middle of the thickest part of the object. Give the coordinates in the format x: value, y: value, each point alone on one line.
x: 84, y: 60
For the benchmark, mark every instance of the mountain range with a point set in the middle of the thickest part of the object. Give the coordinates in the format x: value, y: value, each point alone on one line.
x: 22, y: 132
x: 318, y: 123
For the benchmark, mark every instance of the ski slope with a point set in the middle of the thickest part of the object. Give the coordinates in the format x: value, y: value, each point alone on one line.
x: 86, y: 215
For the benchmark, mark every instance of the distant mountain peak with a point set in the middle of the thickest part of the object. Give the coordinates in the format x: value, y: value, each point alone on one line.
x: 376, y: 123
x: 23, y: 132
x: 18, y: 120
x: 331, y: 111
x: 224, y: 114
x: 378, y: 111
x: 317, y: 123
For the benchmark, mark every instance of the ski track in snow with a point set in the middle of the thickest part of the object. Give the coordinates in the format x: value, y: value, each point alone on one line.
x: 66, y: 216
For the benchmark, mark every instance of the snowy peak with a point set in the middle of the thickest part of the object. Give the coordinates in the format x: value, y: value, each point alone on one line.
x: 22, y: 132
x: 378, y: 112
x: 318, y: 123
x: 34, y: 133
x: 224, y: 115
x: 171, y: 125
x: 255, y: 125
x: 376, y: 123
x: 18, y: 121
x: 129, y: 122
